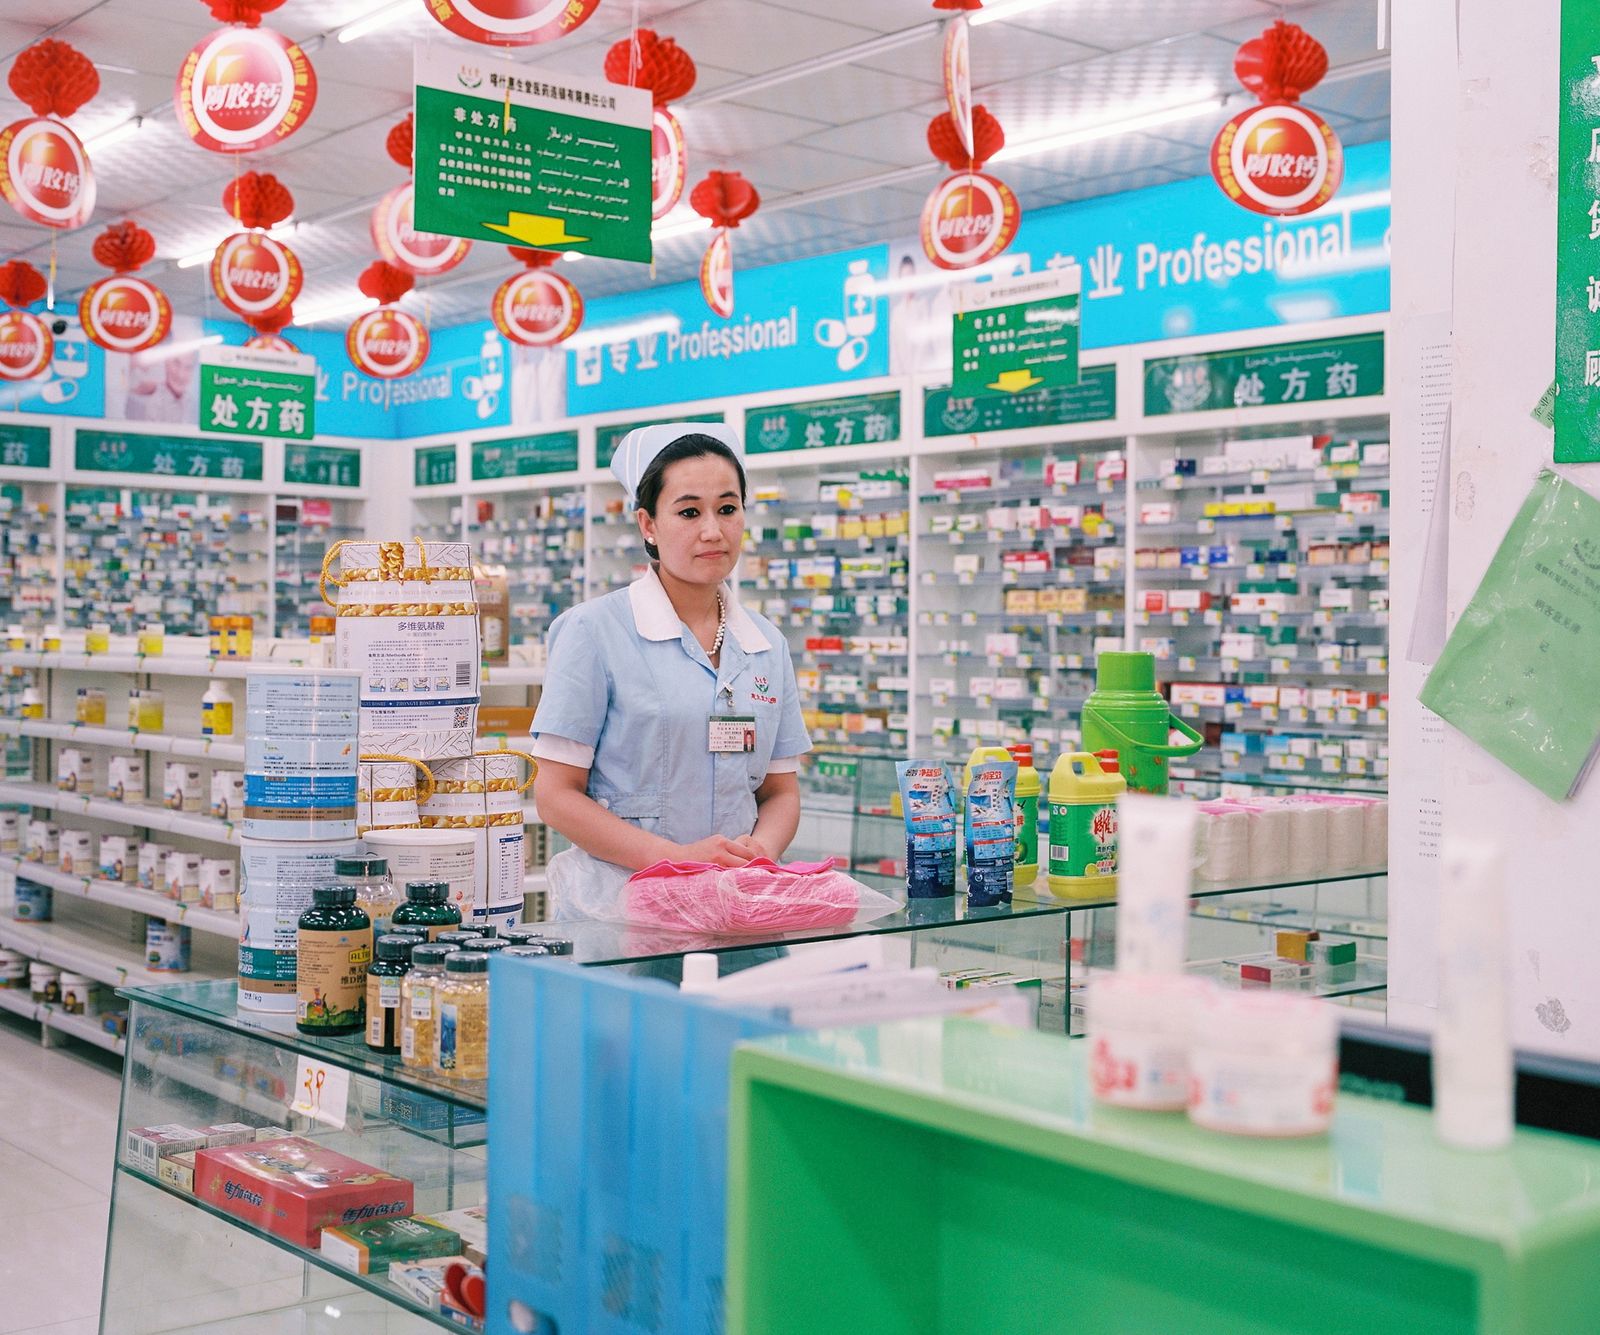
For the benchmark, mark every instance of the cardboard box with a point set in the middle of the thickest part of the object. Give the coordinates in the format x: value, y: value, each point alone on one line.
x: 145, y: 1146
x: 177, y: 1171
x: 472, y: 1224
x: 295, y: 1188
x: 228, y: 1133
x: 371, y: 1246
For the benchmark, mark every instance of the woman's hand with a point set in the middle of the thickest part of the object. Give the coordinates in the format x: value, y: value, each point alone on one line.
x: 755, y: 848
x: 717, y: 850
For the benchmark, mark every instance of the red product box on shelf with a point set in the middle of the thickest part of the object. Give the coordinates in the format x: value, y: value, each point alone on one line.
x: 296, y: 1188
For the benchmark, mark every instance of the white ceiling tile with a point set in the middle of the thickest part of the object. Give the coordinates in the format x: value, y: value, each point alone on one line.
x: 1348, y: 28
x: 734, y: 132
x: 860, y: 92
x: 996, y: 57
x: 897, y: 139
x: 881, y: 15
x: 1113, y: 25
x: 758, y: 38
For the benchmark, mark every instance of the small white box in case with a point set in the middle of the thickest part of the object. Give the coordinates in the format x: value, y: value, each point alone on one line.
x: 145, y: 1147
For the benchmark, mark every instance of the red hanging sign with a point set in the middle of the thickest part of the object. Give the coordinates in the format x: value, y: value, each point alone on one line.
x: 399, y: 242
x: 125, y: 314
x: 252, y: 274
x: 387, y: 343
x: 270, y: 343
x: 511, y: 22
x: 669, y: 163
x: 969, y: 219
x: 45, y: 173
x: 25, y: 346
x: 537, y: 308
x: 716, y: 274
x: 244, y: 89
x: 1281, y: 159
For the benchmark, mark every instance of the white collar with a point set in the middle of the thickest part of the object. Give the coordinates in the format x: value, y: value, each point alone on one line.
x: 655, y: 618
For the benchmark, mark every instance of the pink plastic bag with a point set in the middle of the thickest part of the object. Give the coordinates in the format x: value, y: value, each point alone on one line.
x: 759, y: 898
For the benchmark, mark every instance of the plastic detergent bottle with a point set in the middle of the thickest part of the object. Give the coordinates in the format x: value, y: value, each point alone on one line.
x: 1028, y: 792
x: 1083, y: 827
x: 1126, y: 714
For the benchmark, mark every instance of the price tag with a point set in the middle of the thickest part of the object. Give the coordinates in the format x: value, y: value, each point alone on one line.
x: 1104, y: 487
x: 1260, y: 477
x: 1269, y: 618
x: 790, y: 545
x: 965, y: 577
x: 1233, y: 711
x: 1282, y: 664
x: 1180, y: 618
x: 1288, y: 570
x: 321, y: 1091
x: 969, y: 618
x: 1269, y: 713
x: 1230, y: 664
x: 1187, y: 664
x: 1207, y: 526
x: 995, y: 535
x: 1212, y: 618
x: 1066, y: 575
x: 958, y: 537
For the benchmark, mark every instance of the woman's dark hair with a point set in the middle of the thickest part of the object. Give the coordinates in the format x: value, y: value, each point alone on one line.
x: 696, y: 445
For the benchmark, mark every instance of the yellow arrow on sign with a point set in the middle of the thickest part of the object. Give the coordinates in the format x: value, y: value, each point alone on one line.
x: 1012, y: 381
x: 534, y: 229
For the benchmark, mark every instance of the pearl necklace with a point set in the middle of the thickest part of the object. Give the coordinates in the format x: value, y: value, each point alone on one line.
x: 722, y: 627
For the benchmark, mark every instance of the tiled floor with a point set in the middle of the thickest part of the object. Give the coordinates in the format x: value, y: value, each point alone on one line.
x: 58, y: 1132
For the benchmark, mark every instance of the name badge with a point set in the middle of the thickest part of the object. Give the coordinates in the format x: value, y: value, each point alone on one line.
x: 730, y: 734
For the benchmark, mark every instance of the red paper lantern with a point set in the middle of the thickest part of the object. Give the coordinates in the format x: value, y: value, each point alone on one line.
x: 21, y: 284
x: 944, y: 140
x: 387, y: 343
x: 395, y: 235
x: 45, y: 173
x: 258, y: 200
x: 657, y: 64
x: 270, y: 322
x: 244, y: 89
x: 385, y: 283
x: 511, y: 22
x: 124, y: 247
x: 54, y: 78
x: 532, y: 257
x: 724, y: 197
x: 969, y: 219
x: 537, y: 308
x: 958, y: 4
x: 399, y: 144
x: 247, y: 13
x: 1279, y: 158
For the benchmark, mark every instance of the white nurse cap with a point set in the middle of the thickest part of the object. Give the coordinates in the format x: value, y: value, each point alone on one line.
x: 641, y: 445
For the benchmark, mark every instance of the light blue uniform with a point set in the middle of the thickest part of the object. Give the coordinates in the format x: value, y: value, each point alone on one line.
x: 628, y: 692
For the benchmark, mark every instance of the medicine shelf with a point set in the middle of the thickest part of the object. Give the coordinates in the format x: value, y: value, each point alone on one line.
x: 124, y: 896
x: 103, y: 956
x: 1039, y: 490
x: 1294, y: 921
x: 159, y: 665
x: 83, y: 734
x: 1265, y: 477
x: 497, y: 674
x: 137, y: 814
x: 19, y: 1001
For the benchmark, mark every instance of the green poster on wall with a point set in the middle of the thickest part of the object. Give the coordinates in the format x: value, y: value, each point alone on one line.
x: 434, y: 465
x: 607, y: 438
x: 864, y: 419
x: 1316, y: 370
x: 167, y: 456
x: 505, y: 153
x: 525, y: 456
x: 258, y: 392
x: 1092, y: 399
x: 1012, y: 335
x: 1577, y: 388
x: 24, y: 446
x: 322, y: 466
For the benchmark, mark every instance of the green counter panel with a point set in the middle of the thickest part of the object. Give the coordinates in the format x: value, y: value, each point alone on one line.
x: 943, y: 1179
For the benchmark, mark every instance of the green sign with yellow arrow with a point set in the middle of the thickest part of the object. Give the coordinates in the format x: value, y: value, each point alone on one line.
x: 510, y: 154
x: 1015, y: 334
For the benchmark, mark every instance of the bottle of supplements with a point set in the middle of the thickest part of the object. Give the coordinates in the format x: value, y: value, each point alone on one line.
x: 462, y: 1030
x: 335, y: 947
x: 391, y: 959
x: 417, y: 1004
x: 375, y: 890
x: 459, y: 940
x: 427, y: 905
x: 216, y: 711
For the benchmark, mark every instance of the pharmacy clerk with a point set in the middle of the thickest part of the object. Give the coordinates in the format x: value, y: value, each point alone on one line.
x: 670, y: 726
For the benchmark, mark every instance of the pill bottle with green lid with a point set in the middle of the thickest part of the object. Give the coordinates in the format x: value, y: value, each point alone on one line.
x: 427, y: 905
x: 375, y: 890
x: 334, y: 946
x: 458, y: 940
x: 461, y: 1042
x: 391, y: 960
x: 541, y: 945
x: 417, y: 1004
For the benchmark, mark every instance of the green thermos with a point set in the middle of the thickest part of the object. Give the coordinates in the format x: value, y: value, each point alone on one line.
x: 1126, y: 714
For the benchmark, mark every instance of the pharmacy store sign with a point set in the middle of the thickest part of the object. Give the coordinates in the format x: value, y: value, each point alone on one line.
x: 866, y: 419
x: 1577, y: 404
x: 1092, y: 399
x: 506, y: 153
x: 24, y: 446
x: 321, y: 466
x: 257, y: 391
x: 524, y: 456
x: 244, y: 89
x: 607, y: 438
x: 433, y: 466
x: 167, y: 456
x: 1317, y: 370
x: 1016, y: 334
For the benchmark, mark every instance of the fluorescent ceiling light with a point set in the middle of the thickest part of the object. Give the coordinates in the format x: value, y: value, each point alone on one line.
x: 572, y: 256
x: 116, y: 134
x: 167, y: 351
x: 669, y: 230
x: 1111, y: 129
x: 1003, y: 267
x: 336, y: 309
x: 990, y: 13
x: 381, y: 17
x: 622, y: 333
